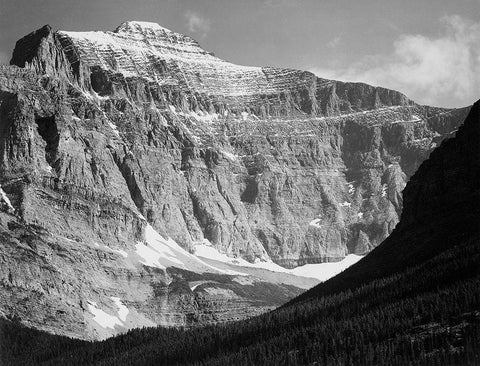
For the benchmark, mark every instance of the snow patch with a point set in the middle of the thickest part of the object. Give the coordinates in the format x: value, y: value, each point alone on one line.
x: 145, y: 25
x: 206, y: 250
x: 315, y: 223
x: 204, y: 117
x: 345, y: 204
x: 325, y: 271
x: 122, y: 309
x: 121, y: 252
x: 351, y: 188
x: 6, y: 199
x: 195, y: 286
x: 102, y: 318
x: 320, y: 271
x: 140, y: 216
x: 157, y: 249
x: 162, y: 253
x: 229, y: 155
x: 114, y: 128
x: 384, y: 190
x: 360, y: 215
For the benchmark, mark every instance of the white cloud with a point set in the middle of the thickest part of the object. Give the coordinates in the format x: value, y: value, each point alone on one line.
x: 196, y: 23
x: 442, y: 70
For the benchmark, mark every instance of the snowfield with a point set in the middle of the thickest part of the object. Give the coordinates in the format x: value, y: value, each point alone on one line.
x: 104, y: 319
x: 319, y: 271
x: 161, y: 253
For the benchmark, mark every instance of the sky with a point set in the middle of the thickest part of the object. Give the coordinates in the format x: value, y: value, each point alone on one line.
x: 427, y: 49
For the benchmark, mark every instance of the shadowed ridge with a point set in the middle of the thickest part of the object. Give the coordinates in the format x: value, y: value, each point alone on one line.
x: 26, y: 48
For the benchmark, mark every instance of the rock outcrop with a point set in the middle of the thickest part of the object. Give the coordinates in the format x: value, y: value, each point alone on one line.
x: 106, y: 136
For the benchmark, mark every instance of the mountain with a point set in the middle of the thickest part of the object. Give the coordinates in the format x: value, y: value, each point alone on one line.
x: 413, y: 300
x: 256, y: 160
x: 124, y: 153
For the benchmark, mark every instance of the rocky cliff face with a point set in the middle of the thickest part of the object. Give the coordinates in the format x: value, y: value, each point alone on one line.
x: 262, y: 162
x: 440, y: 218
x: 112, y: 142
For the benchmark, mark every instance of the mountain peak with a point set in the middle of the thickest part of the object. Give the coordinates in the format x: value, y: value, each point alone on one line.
x: 140, y: 26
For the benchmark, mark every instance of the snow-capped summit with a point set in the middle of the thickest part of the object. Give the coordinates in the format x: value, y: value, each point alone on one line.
x: 134, y: 26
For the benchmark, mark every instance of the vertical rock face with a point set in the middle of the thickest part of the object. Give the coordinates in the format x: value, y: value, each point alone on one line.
x: 103, y: 134
x: 440, y: 217
x: 262, y: 162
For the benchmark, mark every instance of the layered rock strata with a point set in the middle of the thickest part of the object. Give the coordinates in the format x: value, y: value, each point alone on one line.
x: 108, y: 136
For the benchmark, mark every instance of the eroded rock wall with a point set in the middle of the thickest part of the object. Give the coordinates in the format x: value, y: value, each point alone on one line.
x: 105, y: 133
x: 262, y: 162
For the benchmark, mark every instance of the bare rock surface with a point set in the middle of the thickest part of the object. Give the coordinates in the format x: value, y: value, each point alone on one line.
x: 120, y: 151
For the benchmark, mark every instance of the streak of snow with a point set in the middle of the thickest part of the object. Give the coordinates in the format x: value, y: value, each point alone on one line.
x: 351, y: 188
x: 114, y: 128
x: 196, y: 284
x: 345, y: 204
x: 157, y: 249
x: 206, y: 250
x: 121, y: 252
x: 162, y: 253
x: 96, y: 95
x: 6, y: 199
x: 384, y: 190
x: 145, y: 25
x: 205, y: 117
x: 229, y: 155
x: 122, y: 309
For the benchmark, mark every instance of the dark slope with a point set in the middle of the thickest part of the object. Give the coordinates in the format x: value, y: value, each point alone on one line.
x: 414, y: 300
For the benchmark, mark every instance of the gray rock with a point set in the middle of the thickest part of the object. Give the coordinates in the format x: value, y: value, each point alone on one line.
x: 102, y: 132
